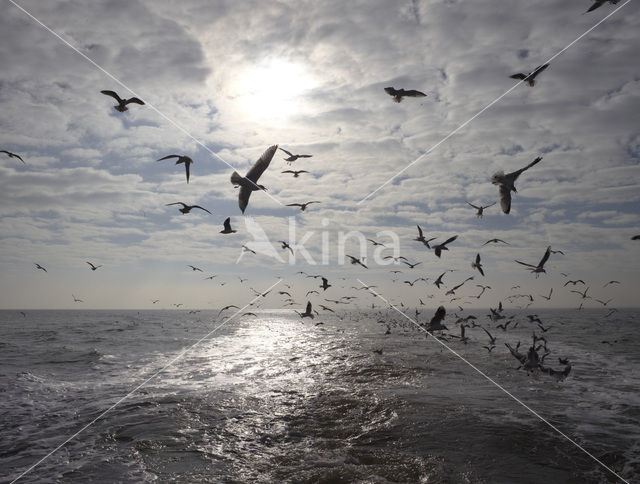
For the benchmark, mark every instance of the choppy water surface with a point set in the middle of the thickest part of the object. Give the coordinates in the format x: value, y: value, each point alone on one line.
x: 278, y: 399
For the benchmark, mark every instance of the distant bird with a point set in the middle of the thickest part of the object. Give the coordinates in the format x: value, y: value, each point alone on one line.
x: 548, y: 298
x: 398, y: 94
x: 411, y: 266
x: 455, y: 288
x: 436, y: 321
x: 293, y: 157
x: 75, y: 299
x: 303, y: 206
x: 12, y: 155
x: 440, y: 247
x: 557, y: 252
x: 227, y: 307
x: 313, y: 291
x: 296, y: 173
x: 530, y: 78
x: 285, y: 245
x: 194, y: 268
x: 583, y: 294
x: 325, y: 284
x: 93, y: 268
x: 477, y: 265
x: 480, y: 209
x: 122, y: 103
x: 326, y: 308
x: 492, y: 339
x: 495, y: 241
x: 355, y: 260
x: 249, y: 182
x: 420, y: 238
x: 210, y: 278
x: 227, y: 227
x: 438, y: 281
x: 611, y: 282
x: 181, y: 159
x: 375, y: 243
x: 540, y: 267
x: 395, y: 259
x: 600, y: 3
x: 307, y: 313
x: 574, y: 282
x: 635, y: 237
x: 187, y: 208
x: 507, y: 184
x: 155, y: 301
x: 247, y: 249
x: 38, y: 266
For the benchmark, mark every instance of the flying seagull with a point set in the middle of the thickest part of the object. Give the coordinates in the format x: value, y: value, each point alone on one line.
x: 227, y: 227
x: 293, y: 157
x: 187, y: 208
x: 355, y: 260
x: 436, y: 322
x: 12, y: 155
x: 122, y: 103
x: 420, y: 238
x: 480, y: 209
x: 495, y: 241
x: 38, y: 266
x: 600, y: 3
x: 93, y: 268
x: 194, y: 268
x: 530, y: 78
x: 325, y: 284
x: 285, y: 245
x: 307, y: 313
x: 507, y: 184
x: 249, y: 182
x: 303, y: 206
x: 398, y: 94
x: 440, y: 247
x: 296, y: 173
x: 540, y: 267
x: 181, y: 159
x: 75, y: 299
x: 477, y: 265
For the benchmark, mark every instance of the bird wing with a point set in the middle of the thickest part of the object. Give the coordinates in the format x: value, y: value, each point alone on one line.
x: 545, y: 257
x: 309, y: 307
x: 420, y: 235
x: 478, y: 258
x: 178, y: 203
x: 134, y: 100
x: 440, y: 314
x: 505, y: 198
x: 477, y: 208
x: 538, y: 70
x: 305, y: 156
x: 186, y: 168
x: 598, y: 4
x: 201, y: 208
x: 294, y: 205
x: 243, y: 198
x: 391, y: 91
x: 167, y: 157
x: 263, y: 162
x: 525, y: 264
x: 288, y: 171
x: 519, y: 75
x: 414, y: 93
x: 113, y: 94
x: 227, y: 223
x: 287, y: 152
x: 514, y: 175
x: 490, y: 205
x: 449, y: 240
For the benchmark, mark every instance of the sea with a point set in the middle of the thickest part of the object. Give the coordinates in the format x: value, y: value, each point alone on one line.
x: 356, y: 396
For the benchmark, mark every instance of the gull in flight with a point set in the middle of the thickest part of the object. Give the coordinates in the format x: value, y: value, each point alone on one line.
x: 355, y: 260
x: 440, y: 247
x: 194, y: 268
x: 249, y: 182
x: 12, y: 155
x: 38, y: 266
x: 507, y: 184
x: 495, y: 241
x: 75, y: 299
x: 296, y: 173
x: 187, y: 208
x: 540, y: 267
x: 530, y: 78
x: 227, y: 227
x: 398, y: 94
x: 436, y: 322
x: 293, y: 157
x: 303, y: 206
x: 122, y: 103
x: 285, y: 245
x: 548, y: 298
x: 583, y: 294
x: 420, y: 238
x: 477, y: 265
x: 480, y: 209
x: 600, y: 3
x: 93, y: 268
x: 308, y: 313
x: 181, y: 159
x: 325, y: 284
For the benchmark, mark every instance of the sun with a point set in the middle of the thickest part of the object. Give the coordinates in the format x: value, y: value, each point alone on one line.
x: 273, y: 89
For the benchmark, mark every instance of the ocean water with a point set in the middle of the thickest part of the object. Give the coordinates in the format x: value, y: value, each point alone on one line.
x: 275, y: 398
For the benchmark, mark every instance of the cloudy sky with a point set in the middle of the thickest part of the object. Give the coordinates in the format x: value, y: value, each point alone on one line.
x: 224, y: 80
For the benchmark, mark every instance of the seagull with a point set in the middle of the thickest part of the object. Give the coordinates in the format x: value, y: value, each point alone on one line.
x: 477, y: 265
x: 325, y: 284
x: 480, y: 209
x: 530, y: 78
x: 303, y: 206
x: 285, y: 245
x: 122, y: 103
x: 635, y: 237
x: 13, y: 155
x: 248, y: 183
x: 600, y: 3
x: 181, y: 159
x: 574, y: 282
x: 355, y: 260
x: 38, y: 266
x: 438, y: 281
x: 93, y: 268
x: 492, y: 339
x: 296, y: 173
x: 227, y: 227
x: 611, y: 282
x: 398, y: 94
x: 420, y: 238
x: 455, y: 288
x: 540, y: 267
x: 411, y: 266
x: 583, y: 294
x: 375, y: 243
x: 495, y: 241
x: 440, y: 247
x: 75, y: 299
x: 194, y: 268
x: 548, y: 298
x: 436, y: 322
x: 507, y: 184
x: 247, y: 249
x: 293, y: 157
x: 227, y: 307
x: 187, y: 208
x: 307, y: 313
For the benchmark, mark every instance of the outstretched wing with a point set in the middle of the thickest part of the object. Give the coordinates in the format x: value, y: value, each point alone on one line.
x: 538, y: 70
x: 490, y: 205
x: 598, y: 4
x: 525, y: 264
x: 227, y: 224
x: 243, y: 198
x: 414, y: 93
x: 545, y: 257
x: 477, y: 208
x: 519, y: 75
x: 390, y: 91
x: 134, y: 100
x: 113, y: 94
x: 167, y: 157
x: 201, y: 208
x: 449, y: 240
x: 505, y: 198
x: 287, y: 152
x: 514, y: 175
x: 263, y: 162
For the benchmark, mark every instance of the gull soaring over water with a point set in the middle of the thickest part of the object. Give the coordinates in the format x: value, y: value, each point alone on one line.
x: 540, y: 267
x: 249, y: 182
x: 122, y: 103
x: 506, y: 184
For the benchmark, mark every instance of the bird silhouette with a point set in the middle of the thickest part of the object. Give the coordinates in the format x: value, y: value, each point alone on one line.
x: 249, y: 182
x: 122, y: 103
x: 506, y: 184
x: 187, y: 208
x: 398, y: 94
x: 181, y: 159
x: 13, y: 155
x: 293, y: 157
x: 530, y: 78
x: 227, y: 227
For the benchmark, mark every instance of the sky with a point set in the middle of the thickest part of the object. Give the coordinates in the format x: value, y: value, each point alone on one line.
x: 223, y: 81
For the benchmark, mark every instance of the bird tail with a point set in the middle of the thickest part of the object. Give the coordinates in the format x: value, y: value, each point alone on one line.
x: 236, y: 179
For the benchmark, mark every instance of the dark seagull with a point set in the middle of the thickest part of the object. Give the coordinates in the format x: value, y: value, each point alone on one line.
x: 303, y: 206
x: 308, y: 312
x: 122, y: 103
x: 12, y: 155
x: 38, y: 266
x: 495, y: 241
x: 296, y: 173
x: 285, y: 245
x: 249, y: 182
x: 355, y: 260
x: 227, y: 227
x: 530, y: 78
x: 398, y: 94
x: 293, y: 157
x: 440, y: 247
x: 600, y: 3
x: 187, y: 208
x: 480, y: 209
x: 181, y: 159
x: 506, y: 184
x: 420, y: 238
x: 93, y: 267
x: 477, y: 265
x: 325, y: 284
x: 540, y: 267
